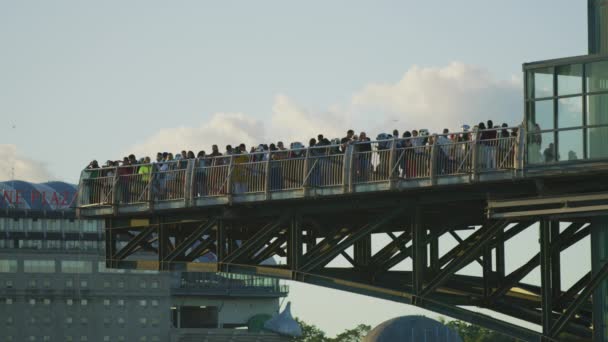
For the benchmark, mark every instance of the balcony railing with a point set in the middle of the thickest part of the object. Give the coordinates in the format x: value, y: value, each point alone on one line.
x: 327, y: 167
x: 229, y: 282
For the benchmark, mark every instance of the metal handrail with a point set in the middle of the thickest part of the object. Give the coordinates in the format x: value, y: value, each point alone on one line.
x: 392, y: 160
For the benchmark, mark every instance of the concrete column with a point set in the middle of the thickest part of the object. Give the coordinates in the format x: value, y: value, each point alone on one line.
x: 599, y: 256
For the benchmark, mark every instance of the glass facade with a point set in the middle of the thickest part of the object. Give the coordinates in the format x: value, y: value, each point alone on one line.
x: 567, y: 111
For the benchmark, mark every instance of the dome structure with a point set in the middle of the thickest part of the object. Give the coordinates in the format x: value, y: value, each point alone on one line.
x: 412, y: 329
x: 50, y: 196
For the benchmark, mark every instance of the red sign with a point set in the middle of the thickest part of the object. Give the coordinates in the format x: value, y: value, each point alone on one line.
x: 35, y: 198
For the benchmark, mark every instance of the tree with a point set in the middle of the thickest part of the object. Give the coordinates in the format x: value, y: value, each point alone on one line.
x: 474, y: 333
x: 311, y: 333
x: 352, y: 335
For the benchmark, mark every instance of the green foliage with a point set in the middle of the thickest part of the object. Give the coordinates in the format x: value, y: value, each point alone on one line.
x: 311, y: 333
x: 474, y: 333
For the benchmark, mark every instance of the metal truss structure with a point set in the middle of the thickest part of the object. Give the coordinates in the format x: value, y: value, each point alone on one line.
x: 312, y: 234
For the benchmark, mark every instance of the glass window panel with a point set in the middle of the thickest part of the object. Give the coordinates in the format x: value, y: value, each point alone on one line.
x: 597, y: 109
x: 541, y: 148
x: 541, y: 114
x: 530, y: 84
x: 570, y: 145
x: 76, y: 266
x: 570, y: 112
x: 597, y: 142
x: 597, y: 76
x: 8, y: 266
x: 543, y: 82
x: 569, y: 79
x: 39, y: 266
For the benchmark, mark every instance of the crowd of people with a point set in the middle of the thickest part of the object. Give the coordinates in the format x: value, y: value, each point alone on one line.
x: 372, y: 160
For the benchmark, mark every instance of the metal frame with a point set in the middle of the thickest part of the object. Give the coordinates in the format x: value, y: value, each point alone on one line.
x: 243, y: 238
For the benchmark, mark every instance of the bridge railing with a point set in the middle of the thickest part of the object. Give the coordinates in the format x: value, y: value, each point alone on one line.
x: 390, y: 160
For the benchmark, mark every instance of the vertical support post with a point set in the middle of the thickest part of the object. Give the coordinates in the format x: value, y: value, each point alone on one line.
x: 294, y: 244
x: 115, y: 190
x: 189, y: 181
x: 434, y: 160
x: 500, y: 255
x: 434, y: 245
x: 220, y: 243
x: 363, y: 251
x: 163, y: 238
x: 305, y: 176
x: 347, y: 169
x: 229, y: 180
x: 311, y: 239
x: 599, y: 257
x: 487, y: 272
x: 475, y: 146
x: 150, y: 192
x: 556, y: 280
x: 110, y: 243
x: 392, y: 167
x: 420, y: 248
x: 545, y: 281
x: 267, y: 179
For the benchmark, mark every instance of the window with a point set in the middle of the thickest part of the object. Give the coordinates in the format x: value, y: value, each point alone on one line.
x: 106, y: 338
x: 9, y: 284
x: 569, y: 79
x: 142, y: 285
x: 155, y: 339
x: 143, y: 339
x: 120, y: 321
x: 9, y: 301
x: 8, y: 266
x: 84, y: 320
x: 597, y: 76
x: 32, y: 283
x: 543, y: 83
x: 84, y: 302
x: 84, y: 283
x: 570, y: 112
x: 69, y: 283
x: 32, y: 301
x: 121, y: 338
x: 76, y: 266
x: 106, y: 284
x: 106, y: 321
x: 39, y: 266
x: 46, y: 338
x: 120, y: 284
x: 69, y: 302
x: 32, y: 320
x: 106, y: 302
x: 120, y: 302
x: 143, y: 303
x: 32, y: 338
x: 69, y: 338
x: 143, y: 321
x: 46, y: 283
x: 101, y: 268
x: 84, y: 338
x: 68, y: 320
x: 155, y: 322
x: 154, y: 302
x: 9, y: 320
x: 154, y: 284
x: 46, y: 301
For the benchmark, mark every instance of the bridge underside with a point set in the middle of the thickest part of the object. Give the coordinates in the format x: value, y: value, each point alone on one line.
x: 312, y: 234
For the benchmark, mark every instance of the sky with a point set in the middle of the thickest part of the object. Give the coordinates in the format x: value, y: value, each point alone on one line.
x: 83, y: 80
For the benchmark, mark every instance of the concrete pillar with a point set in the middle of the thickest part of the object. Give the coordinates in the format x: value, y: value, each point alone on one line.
x: 599, y: 256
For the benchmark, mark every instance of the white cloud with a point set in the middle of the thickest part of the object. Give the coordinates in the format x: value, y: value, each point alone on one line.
x: 13, y: 165
x: 221, y: 129
x: 438, y: 97
x: 430, y: 97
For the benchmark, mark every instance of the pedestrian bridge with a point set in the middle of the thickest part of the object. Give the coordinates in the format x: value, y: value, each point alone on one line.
x: 313, y: 206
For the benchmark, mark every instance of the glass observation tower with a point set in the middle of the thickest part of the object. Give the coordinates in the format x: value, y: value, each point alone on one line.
x: 566, y: 106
